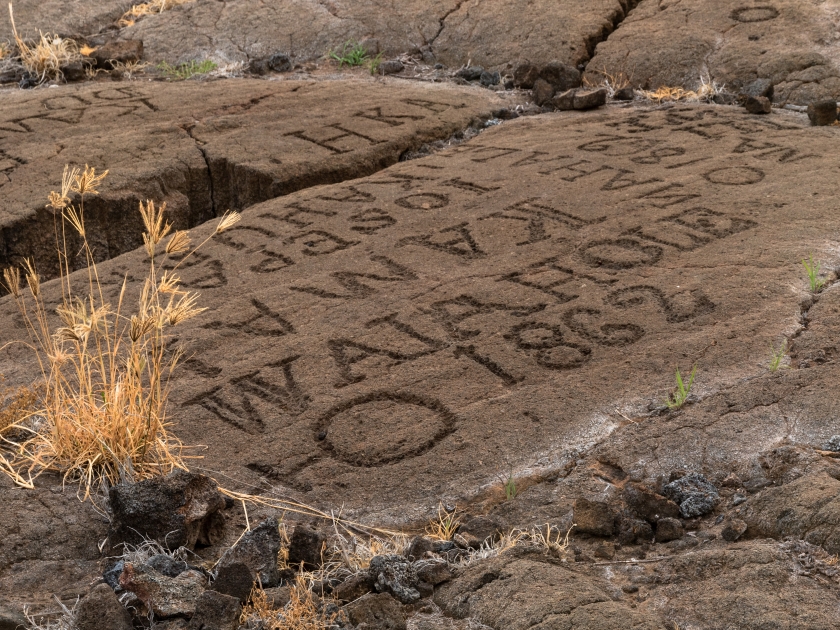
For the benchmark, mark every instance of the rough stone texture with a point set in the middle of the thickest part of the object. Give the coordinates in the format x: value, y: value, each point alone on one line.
x: 808, y: 508
x: 580, y: 99
x: 433, y: 572
x: 733, y: 530
x: 11, y: 619
x: 594, y: 517
x: 792, y: 43
x: 101, y: 610
x: 510, y: 593
x: 163, y: 595
x: 758, y: 105
x: 179, y: 510
x: 395, y: 575
x: 306, y: 546
x: 438, y: 301
x: 823, y: 113
x: 694, y: 494
x: 647, y: 504
x: 68, y: 19
x: 258, y: 551
x: 202, y: 147
x: 492, y: 33
x: 129, y: 51
x: 214, y: 611
x: 376, y: 612
x: 354, y: 587
x: 234, y: 579
x: 542, y: 92
x: 668, y: 529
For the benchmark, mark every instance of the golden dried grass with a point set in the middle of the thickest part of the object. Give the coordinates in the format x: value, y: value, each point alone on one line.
x: 303, y: 612
x: 102, y: 415
x: 138, y: 11
x: 47, y: 56
x: 16, y: 404
x: 444, y: 525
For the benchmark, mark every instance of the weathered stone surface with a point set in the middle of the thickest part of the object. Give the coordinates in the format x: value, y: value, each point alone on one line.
x: 791, y: 43
x: 647, y: 504
x: 214, y: 611
x: 163, y: 595
x: 68, y: 19
x: 492, y: 34
x: 202, y: 147
x: 128, y: 51
x: 307, y: 546
x: 258, y: 551
x: 376, y: 612
x: 519, y: 593
x: 390, y: 314
x: 808, y: 509
x: 668, y: 529
x: 101, y: 610
x: 594, y: 517
x: 694, y: 494
x: 758, y: 105
x: 395, y: 575
x: 823, y: 113
x: 178, y: 510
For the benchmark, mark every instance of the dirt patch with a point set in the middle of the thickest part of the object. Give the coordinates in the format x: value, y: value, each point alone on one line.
x: 204, y: 148
x: 664, y: 43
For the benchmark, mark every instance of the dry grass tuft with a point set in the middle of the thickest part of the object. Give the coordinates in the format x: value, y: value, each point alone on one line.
x: 102, y: 417
x: 46, y: 57
x: 16, y: 405
x: 63, y: 619
x: 352, y: 554
x: 444, y: 525
x: 705, y: 92
x: 612, y: 81
x: 148, y: 8
x: 303, y: 612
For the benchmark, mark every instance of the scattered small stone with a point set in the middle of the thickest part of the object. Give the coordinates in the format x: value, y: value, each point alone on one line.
x: 10, y: 76
x: 392, y: 66
x: 376, y: 612
x: 594, y: 517
x: 822, y: 113
x: 759, y: 88
x: 580, y: 99
x: 278, y: 62
x: 490, y: 78
x: 74, y: 72
x: 306, y: 545
x: 396, y: 575
x: 731, y: 481
x: 354, y: 587
x: 481, y: 528
x: 758, y: 105
x: 28, y: 81
x: 738, y: 499
x: 101, y: 610
x: 234, y: 579
x: 278, y: 596
x: 647, y: 504
x: 833, y: 444
x: 164, y: 596
x: 668, y: 529
x: 633, y: 530
x: 214, y: 611
x: 470, y: 73
x: 561, y: 76
x: 438, y: 66
x: 258, y: 551
x: 178, y: 510
x: 112, y: 575
x: 625, y: 94
x: 605, y: 550
x: 719, y: 519
x: 725, y: 98
x: 525, y: 75
x: 542, y: 92
x: 128, y: 51
x: 694, y: 494
x: 433, y: 572
x: 630, y: 588
x: 169, y: 566
x: 755, y: 485
x: 733, y: 530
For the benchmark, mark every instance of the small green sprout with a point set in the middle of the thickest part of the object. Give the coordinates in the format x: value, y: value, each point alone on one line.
x: 186, y: 70
x: 778, y: 356
x: 813, y: 268
x: 510, y: 488
x: 352, y: 54
x: 677, y: 399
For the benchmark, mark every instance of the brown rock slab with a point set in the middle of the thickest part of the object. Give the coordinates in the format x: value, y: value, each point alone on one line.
x: 527, y: 592
x: 399, y: 327
x: 492, y: 34
x: 68, y: 19
x: 202, y: 147
x: 790, y: 42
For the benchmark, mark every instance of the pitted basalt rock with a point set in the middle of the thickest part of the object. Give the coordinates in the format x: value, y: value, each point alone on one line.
x: 258, y: 551
x: 165, y: 596
x: 694, y: 494
x: 395, y: 575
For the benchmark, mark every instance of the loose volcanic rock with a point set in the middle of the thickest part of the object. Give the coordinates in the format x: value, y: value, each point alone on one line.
x: 258, y: 551
x: 395, y: 575
x: 178, y: 510
x: 491, y: 33
x: 733, y: 530
x: 307, y: 546
x: 203, y: 148
x: 694, y: 494
x: 376, y: 612
x: 128, y: 51
x: 647, y: 504
x: 758, y: 105
x: 668, y: 529
x: 594, y: 517
x: 214, y: 611
x: 235, y: 579
x: 165, y: 596
x: 101, y: 610
x: 823, y: 113
x: 791, y: 43
x: 542, y: 92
